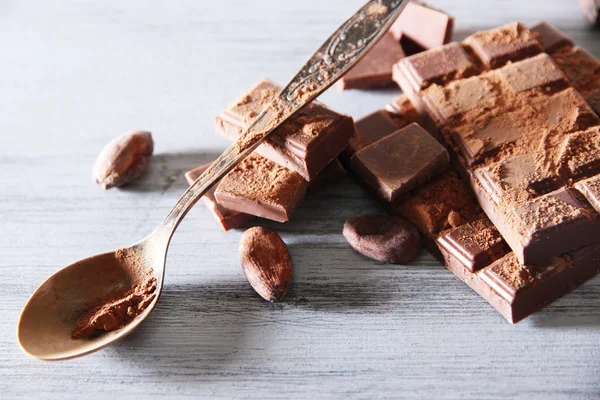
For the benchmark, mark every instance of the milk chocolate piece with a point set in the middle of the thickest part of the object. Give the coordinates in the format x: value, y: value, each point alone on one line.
x: 227, y: 219
x: 400, y: 161
x: 551, y: 38
x: 305, y: 143
x: 331, y: 174
x: 423, y: 25
x: 370, y: 129
x: 436, y: 66
x: 591, y: 10
x: 496, y: 47
x: 523, y: 137
x: 402, y: 111
x: 514, y: 289
x: 583, y: 70
x: 375, y: 69
x: 590, y: 188
x: 258, y: 186
x: 475, y: 244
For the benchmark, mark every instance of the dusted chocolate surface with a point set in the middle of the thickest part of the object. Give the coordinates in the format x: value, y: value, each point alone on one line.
x: 400, y: 161
x: 375, y: 69
x: 258, y: 186
x: 522, y: 135
x: 228, y: 219
x: 306, y: 143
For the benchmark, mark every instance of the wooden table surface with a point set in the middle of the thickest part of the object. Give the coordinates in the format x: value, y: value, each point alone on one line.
x: 75, y: 74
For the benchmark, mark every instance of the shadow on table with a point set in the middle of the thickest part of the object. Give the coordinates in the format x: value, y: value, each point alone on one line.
x: 166, y: 171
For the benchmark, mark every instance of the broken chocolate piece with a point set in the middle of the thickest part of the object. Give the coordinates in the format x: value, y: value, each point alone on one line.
x: 590, y: 188
x: 370, y: 129
x: 551, y: 38
x: 227, y: 219
x: 400, y: 161
x: 423, y: 25
x: 475, y: 244
x: 306, y: 143
x: 258, y: 186
x: 375, y: 69
x: 496, y: 47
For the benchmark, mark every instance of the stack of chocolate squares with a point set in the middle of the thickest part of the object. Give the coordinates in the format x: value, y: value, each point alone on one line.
x: 515, y: 214
x: 303, y: 152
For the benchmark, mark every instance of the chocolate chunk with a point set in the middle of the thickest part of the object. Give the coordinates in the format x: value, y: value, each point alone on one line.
x: 551, y: 38
x: 375, y: 69
x: 445, y: 103
x: 258, y: 186
x: 383, y: 238
x: 423, y: 25
x: 536, y: 72
x: 399, y: 162
x: 402, y: 111
x: 370, y: 129
x: 305, y: 143
x: 330, y: 175
x: 590, y: 188
x: 227, y: 219
x: 429, y: 206
x: 476, y: 244
x: 436, y: 66
x: 591, y: 10
x: 496, y: 47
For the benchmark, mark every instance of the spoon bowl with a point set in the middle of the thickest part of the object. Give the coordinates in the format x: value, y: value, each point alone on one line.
x: 46, y: 322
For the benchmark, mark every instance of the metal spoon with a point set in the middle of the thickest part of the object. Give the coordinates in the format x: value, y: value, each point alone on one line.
x: 44, y: 328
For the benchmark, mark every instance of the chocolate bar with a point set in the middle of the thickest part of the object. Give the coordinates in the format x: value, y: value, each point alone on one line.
x: 227, y: 219
x: 258, y: 186
x: 473, y: 249
x: 400, y: 161
x: 305, y: 143
x: 418, y: 28
x: 520, y: 134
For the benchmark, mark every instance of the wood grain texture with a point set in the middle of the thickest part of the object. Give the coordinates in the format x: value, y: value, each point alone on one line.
x: 75, y: 74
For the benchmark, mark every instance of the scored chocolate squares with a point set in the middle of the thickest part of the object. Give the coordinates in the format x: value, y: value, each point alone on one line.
x: 521, y: 134
x: 306, y: 143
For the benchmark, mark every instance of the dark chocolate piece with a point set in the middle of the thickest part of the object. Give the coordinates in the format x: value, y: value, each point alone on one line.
x: 496, y: 47
x: 591, y: 10
x: 331, y: 174
x: 475, y: 244
x: 375, y: 69
x: 227, y: 219
x: 370, y: 129
x: 383, y: 238
x: 551, y: 38
x: 400, y: 161
x: 403, y: 112
x: 258, y: 186
x: 305, y: 143
x: 424, y: 26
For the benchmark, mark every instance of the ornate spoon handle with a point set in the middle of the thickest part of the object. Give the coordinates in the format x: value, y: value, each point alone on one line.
x: 338, y: 54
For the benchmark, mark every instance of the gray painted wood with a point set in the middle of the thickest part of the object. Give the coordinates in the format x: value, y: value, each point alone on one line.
x: 75, y: 74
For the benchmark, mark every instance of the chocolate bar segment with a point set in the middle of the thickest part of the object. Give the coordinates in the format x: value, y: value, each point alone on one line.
x: 423, y: 25
x: 258, y: 186
x: 590, y: 188
x: 476, y: 244
x: 400, y: 161
x: 227, y: 219
x: 305, y: 143
x: 375, y: 69
x: 551, y: 38
x: 370, y: 129
x: 523, y: 136
x: 496, y: 47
